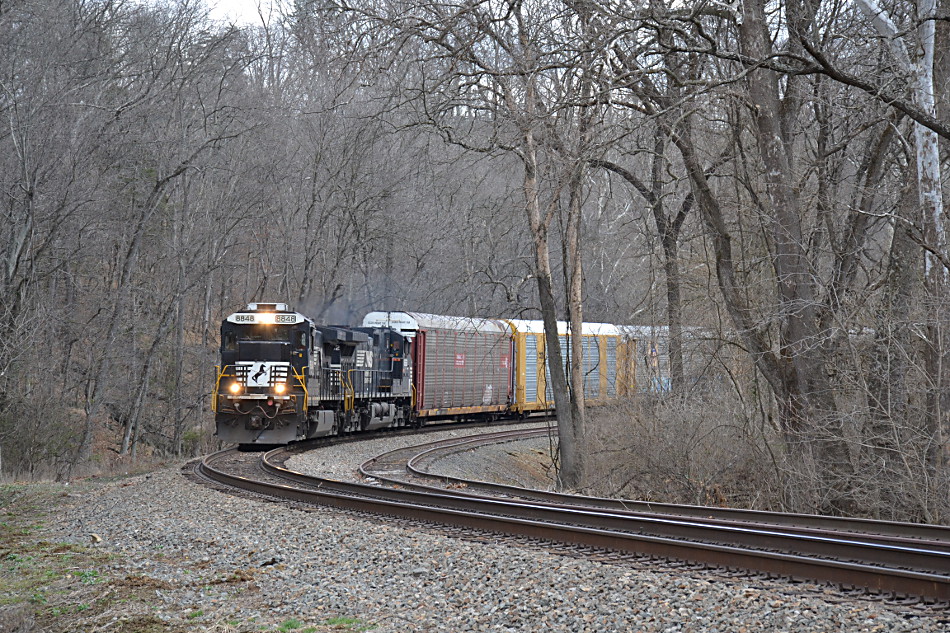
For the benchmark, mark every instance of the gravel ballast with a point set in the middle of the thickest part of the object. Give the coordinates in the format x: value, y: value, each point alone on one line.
x: 255, y: 564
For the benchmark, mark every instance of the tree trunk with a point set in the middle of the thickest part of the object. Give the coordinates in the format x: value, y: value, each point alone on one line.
x: 570, y: 458
x: 575, y: 307
x: 806, y: 404
x: 668, y: 230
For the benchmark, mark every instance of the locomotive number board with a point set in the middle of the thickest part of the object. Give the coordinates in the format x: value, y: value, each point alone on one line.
x: 267, y: 318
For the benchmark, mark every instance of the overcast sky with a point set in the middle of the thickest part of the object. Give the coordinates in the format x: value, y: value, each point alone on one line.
x: 242, y: 11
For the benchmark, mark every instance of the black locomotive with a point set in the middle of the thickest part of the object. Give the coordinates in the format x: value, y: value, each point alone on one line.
x: 283, y: 378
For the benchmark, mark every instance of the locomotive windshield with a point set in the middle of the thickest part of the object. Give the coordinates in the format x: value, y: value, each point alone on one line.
x: 263, y: 333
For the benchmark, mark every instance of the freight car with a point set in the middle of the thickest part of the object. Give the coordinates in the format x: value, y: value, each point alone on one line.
x: 284, y: 378
x: 462, y: 366
x: 491, y: 366
x: 608, y: 363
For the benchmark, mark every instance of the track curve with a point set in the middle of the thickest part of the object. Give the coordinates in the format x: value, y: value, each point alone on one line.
x: 879, y: 556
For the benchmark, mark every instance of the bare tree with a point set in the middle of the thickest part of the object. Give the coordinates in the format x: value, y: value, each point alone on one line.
x: 491, y: 95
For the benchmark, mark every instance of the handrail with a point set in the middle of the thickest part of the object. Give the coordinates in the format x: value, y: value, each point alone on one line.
x: 349, y: 394
x: 217, y: 386
x: 301, y: 378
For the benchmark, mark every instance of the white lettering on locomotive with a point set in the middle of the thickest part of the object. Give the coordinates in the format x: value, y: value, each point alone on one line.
x: 364, y: 359
x: 266, y: 318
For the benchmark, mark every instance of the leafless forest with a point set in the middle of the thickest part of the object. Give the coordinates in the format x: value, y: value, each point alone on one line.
x: 767, y: 177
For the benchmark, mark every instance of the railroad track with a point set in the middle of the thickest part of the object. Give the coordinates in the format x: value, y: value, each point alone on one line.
x: 892, y: 559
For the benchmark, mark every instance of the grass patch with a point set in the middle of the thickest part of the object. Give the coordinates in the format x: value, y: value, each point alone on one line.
x: 296, y: 626
x: 349, y: 624
x: 54, y: 586
x: 75, y: 588
x: 88, y: 576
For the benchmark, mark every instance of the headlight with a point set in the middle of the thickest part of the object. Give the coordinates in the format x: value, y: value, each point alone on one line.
x: 235, y: 387
x: 280, y: 388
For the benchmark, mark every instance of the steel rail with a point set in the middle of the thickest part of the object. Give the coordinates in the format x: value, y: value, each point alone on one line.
x: 775, y: 537
x: 618, y: 533
x: 785, y: 523
x: 935, y: 535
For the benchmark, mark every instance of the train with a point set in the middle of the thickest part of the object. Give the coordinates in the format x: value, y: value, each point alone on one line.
x: 283, y: 378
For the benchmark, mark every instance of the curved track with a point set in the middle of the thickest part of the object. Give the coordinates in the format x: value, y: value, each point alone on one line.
x: 409, y: 468
x: 884, y: 557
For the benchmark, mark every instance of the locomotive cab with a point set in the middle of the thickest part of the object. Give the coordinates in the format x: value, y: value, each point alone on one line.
x: 261, y: 391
